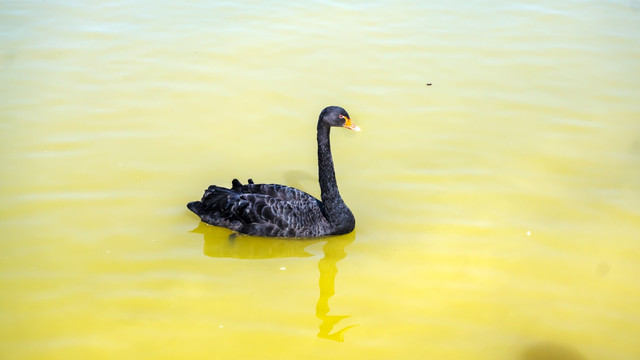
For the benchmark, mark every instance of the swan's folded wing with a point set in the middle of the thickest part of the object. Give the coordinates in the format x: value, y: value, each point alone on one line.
x: 253, y: 207
x: 282, y: 217
x: 274, y: 190
x: 263, y: 209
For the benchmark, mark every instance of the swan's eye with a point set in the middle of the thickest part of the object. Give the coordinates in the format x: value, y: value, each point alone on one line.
x: 341, y: 116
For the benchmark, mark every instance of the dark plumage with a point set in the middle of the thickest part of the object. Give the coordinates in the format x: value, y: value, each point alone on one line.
x: 278, y: 210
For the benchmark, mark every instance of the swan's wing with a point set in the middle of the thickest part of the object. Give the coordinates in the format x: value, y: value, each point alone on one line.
x: 274, y: 190
x: 275, y: 211
x: 265, y: 215
x: 263, y: 210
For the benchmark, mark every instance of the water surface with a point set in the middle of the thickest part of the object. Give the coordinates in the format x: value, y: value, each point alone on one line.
x: 497, y: 210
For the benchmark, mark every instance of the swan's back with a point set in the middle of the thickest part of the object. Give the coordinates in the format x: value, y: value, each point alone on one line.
x: 263, y: 210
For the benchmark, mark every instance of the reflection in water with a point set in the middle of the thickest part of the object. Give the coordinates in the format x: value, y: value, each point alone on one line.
x: 550, y: 351
x: 218, y: 243
x: 333, y: 252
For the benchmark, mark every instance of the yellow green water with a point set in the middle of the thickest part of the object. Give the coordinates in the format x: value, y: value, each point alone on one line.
x: 498, y: 210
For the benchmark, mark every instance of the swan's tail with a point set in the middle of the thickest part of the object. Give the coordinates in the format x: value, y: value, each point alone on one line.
x: 215, y: 198
x: 196, y: 207
x: 218, y: 199
x: 218, y: 207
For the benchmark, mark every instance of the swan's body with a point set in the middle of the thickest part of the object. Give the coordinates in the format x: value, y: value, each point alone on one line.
x: 282, y: 211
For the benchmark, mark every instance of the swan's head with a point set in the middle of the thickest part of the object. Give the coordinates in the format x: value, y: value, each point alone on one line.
x: 337, y: 116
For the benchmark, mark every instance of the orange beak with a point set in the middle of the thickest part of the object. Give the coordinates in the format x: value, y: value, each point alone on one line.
x: 349, y: 125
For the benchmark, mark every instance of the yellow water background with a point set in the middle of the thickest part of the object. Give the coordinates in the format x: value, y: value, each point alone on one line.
x: 497, y: 209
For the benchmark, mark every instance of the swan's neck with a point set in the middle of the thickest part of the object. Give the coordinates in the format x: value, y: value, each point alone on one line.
x: 333, y: 204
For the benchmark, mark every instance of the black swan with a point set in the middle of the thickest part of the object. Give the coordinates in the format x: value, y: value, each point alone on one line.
x: 282, y: 211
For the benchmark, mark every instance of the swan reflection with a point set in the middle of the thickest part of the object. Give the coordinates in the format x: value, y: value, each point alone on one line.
x: 333, y: 252
x: 217, y: 243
